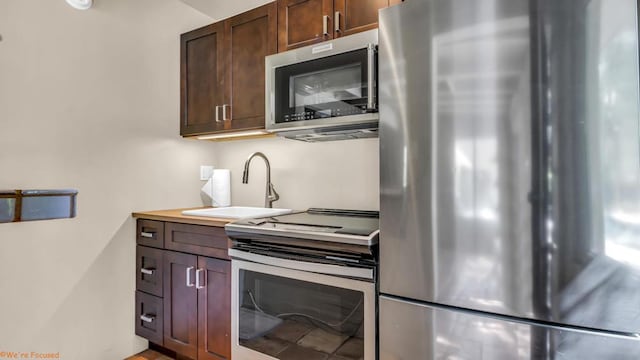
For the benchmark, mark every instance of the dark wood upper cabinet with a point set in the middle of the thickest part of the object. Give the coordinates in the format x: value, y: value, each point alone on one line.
x: 214, y: 309
x: 303, y: 22
x: 354, y: 16
x: 202, y: 66
x: 222, y: 72
x: 222, y: 65
x: 306, y: 22
x: 249, y: 38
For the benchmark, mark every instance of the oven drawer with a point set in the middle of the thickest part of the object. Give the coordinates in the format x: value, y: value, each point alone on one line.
x: 149, y: 320
x: 149, y: 270
x: 150, y: 233
x: 196, y: 239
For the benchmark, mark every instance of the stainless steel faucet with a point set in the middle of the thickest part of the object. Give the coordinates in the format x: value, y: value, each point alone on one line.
x: 270, y: 195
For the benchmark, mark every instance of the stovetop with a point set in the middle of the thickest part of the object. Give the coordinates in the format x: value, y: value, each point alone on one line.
x: 354, y: 227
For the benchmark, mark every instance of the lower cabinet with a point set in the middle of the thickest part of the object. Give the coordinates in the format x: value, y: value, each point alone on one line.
x: 192, y: 314
x: 214, y: 309
x: 197, y: 306
x: 180, y: 303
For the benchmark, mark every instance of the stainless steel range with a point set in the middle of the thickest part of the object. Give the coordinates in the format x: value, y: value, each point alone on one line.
x: 303, y: 285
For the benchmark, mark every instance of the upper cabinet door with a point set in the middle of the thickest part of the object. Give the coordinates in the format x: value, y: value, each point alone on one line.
x: 201, y: 80
x: 352, y: 16
x: 304, y: 22
x: 249, y: 37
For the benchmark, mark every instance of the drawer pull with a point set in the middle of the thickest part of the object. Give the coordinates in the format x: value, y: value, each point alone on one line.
x: 147, y: 318
x: 147, y: 271
x: 147, y: 234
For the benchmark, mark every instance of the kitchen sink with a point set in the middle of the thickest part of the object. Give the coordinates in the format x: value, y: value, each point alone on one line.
x: 237, y: 212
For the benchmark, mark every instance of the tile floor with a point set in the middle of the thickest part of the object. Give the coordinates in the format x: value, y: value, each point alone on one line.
x: 294, y: 340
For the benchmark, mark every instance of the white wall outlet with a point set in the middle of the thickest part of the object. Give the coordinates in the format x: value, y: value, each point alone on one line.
x: 206, y: 171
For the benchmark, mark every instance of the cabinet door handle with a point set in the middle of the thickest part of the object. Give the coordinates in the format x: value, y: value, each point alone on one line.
x: 147, y: 318
x: 224, y: 112
x: 336, y: 21
x: 189, y: 282
x: 147, y: 234
x: 147, y: 271
x: 198, y: 284
x: 325, y: 25
x: 218, y: 113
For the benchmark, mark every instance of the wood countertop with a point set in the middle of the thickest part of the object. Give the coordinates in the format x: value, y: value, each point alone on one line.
x: 175, y: 215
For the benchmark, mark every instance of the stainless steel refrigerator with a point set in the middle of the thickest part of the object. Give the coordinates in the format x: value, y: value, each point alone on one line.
x: 510, y: 180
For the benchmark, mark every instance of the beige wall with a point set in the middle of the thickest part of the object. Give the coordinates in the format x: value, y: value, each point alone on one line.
x: 89, y: 100
x: 337, y: 174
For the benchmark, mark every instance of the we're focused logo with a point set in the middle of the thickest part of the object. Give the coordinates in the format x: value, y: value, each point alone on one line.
x: 29, y: 355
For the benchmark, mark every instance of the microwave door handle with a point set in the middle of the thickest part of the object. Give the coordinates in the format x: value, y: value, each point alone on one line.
x: 371, y: 77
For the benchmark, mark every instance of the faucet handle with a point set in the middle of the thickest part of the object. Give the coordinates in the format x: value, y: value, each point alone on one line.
x: 273, y: 194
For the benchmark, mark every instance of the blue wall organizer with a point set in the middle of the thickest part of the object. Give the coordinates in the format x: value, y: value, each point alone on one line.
x: 30, y: 205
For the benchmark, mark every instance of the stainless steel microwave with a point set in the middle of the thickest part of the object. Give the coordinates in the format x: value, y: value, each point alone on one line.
x: 326, y: 91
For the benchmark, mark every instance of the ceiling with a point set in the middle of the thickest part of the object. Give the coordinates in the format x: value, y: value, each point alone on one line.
x: 222, y: 9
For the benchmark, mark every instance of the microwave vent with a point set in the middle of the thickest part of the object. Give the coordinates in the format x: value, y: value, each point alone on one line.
x: 350, y: 132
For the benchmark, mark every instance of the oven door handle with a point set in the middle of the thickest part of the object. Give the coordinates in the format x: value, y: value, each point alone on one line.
x: 327, y: 269
x: 372, y: 78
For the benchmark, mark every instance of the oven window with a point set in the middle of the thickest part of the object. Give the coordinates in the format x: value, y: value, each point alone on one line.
x: 292, y: 319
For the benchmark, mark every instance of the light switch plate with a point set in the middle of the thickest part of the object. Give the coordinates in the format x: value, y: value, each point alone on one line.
x: 206, y: 171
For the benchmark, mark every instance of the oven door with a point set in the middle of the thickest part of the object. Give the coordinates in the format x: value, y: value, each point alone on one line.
x: 280, y: 313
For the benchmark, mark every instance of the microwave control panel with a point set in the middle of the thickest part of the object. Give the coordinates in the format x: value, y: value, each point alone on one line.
x: 310, y: 114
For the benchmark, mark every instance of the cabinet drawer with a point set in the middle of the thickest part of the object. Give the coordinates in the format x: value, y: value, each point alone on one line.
x: 149, y: 317
x: 149, y: 270
x: 150, y: 233
x: 195, y: 239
